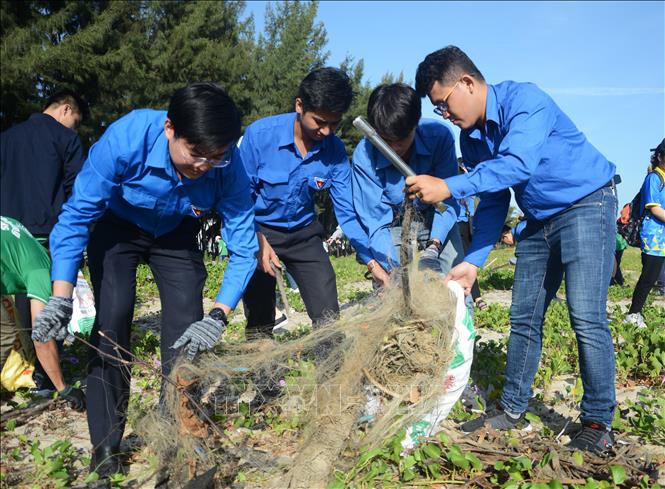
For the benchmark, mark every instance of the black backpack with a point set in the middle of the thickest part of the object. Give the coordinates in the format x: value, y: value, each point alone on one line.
x: 630, y: 220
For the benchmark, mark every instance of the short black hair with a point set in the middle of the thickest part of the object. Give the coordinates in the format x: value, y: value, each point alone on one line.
x: 446, y: 66
x: 394, y: 110
x: 68, y: 97
x: 326, y: 89
x: 206, y: 116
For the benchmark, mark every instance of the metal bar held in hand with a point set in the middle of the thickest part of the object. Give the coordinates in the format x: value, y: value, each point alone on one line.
x: 370, y: 133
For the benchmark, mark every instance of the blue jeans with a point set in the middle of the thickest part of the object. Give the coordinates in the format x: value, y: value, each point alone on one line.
x: 451, y: 255
x: 453, y: 251
x: 578, y: 244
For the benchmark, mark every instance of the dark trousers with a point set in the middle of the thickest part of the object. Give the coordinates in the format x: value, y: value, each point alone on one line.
x: 465, y: 233
x: 617, y: 277
x: 115, y: 250
x: 301, y: 251
x: 651, y: 266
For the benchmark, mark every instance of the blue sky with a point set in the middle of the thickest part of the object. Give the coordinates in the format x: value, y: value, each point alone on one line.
x: 602, y: 62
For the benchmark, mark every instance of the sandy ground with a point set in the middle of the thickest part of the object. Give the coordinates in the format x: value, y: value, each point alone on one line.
x: 59, y: 422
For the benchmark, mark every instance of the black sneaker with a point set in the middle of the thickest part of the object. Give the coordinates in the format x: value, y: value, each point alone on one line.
x: 593, y: 437
x: 499, y: 421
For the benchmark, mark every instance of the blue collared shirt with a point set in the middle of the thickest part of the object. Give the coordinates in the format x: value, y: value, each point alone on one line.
x: 285, y: 184
x: 466, y: 209
x: 528, y: 144
x: 378, y: 187
x: 129, y: 171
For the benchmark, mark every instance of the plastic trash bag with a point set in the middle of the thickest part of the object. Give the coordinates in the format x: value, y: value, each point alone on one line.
x: 83, y: 315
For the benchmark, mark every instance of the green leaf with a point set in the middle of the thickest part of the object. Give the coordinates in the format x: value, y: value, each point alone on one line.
x: 92, y: 477
x: 459, y: 460
x: 61, y: 474
x: 618, y: 474
x: 444, y: 439
x: 578, y: 458
x: 10, y: 425
x: 408, y: 475
x: 367, y: 456
x: 475, y: 461
x: 431, y: 450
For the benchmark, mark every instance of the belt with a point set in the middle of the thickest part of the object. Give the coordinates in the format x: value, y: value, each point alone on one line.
x: 614, y: 181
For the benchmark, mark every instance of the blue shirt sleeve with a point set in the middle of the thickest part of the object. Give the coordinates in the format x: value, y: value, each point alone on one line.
x: 487, y: 224
x: 246, y: 153
x: 92, y: 190
x: 341, y: 194
x: 236, y: 208
x: 529, y: 122
x: 445, y: 161
x: 374, y: 214
x: 652, y: 194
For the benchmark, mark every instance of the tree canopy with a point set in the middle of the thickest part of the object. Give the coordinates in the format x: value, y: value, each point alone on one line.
x: 123, y: 55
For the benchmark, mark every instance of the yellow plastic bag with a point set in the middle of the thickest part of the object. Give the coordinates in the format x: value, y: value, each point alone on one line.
x: 17, y: 372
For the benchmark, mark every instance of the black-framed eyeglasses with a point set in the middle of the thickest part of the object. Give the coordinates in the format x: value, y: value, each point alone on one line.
x: 442, y: 107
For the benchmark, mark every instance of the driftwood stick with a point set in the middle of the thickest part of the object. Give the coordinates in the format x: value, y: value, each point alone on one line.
x: 404, y: 255
x: 22, y: 416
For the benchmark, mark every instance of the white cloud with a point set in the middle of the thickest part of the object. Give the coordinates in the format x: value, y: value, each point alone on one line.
x: 606, y: 91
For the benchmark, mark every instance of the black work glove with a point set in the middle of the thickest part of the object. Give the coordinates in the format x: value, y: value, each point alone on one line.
x: 74, y: 397
x: 51, y: 323
x: 201, y: 335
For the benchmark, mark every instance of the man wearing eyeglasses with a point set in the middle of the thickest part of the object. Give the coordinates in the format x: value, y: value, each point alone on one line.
x: 139, y: 196
x: 514, y: 136
x: 290, y: 158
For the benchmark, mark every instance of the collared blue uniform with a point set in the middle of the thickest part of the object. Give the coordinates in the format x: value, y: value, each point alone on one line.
x: 129, y: 172
x: 652, y: 232
x: 528, y: 144
x: 467, y: 207
x: 285, y: 184
x: 378, y: 187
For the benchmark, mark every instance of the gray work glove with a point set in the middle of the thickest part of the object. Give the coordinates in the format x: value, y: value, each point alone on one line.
x: 429, y: 260
x: 51, y: 323
x: 201, y: 335
x: 74, y: 397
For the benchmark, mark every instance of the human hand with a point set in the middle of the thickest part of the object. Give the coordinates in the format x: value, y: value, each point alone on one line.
x: 379, y: 275
x: 51, y: 322
x: 464, y: 274
x: 200, y: 336
x: 266, y: 255
x: 429, y: 189
x: 74, y: 397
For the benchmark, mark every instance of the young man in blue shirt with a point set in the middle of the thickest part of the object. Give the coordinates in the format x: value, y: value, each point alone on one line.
x: 139, y: 197
x: 289, y: 159
x: 378, y: 187
x: 515, y: 136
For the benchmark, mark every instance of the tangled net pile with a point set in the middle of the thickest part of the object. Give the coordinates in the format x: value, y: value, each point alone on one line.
x: 397, y: 345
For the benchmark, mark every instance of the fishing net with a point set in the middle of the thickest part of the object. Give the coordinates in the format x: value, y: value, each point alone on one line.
x: 382, y: 363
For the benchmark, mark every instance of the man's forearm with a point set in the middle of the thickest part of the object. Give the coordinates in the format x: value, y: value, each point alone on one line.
x: 62, y: 288
x: 47, y: 354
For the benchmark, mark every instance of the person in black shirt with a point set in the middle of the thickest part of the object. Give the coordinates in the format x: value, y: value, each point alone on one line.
x: 39, y: 160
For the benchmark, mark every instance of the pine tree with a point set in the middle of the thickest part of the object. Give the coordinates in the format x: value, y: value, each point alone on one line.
x: 290, y: 47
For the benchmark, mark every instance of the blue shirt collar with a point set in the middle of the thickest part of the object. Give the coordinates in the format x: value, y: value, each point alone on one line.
x: 491, y: 112
x: 159, y: 157
x: 286, y: 136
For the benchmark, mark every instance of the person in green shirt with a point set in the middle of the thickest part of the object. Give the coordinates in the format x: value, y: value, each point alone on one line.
x: 25, y: 268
